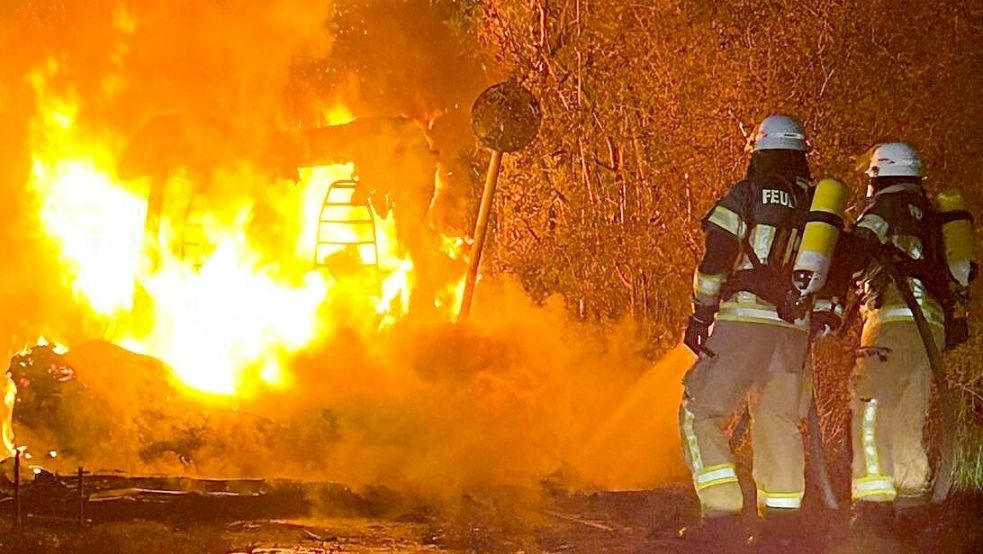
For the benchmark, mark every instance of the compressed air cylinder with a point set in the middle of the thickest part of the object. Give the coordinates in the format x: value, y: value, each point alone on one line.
x: 822, y: 230
x: 957, y: 234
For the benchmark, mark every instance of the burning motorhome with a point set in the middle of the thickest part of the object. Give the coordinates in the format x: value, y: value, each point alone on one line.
x: 173, y: 249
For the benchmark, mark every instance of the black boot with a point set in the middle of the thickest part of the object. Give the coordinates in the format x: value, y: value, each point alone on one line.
x: 873, y: 529
x: 783, y: 530
x: 720, y: 532
x: 877, y: 517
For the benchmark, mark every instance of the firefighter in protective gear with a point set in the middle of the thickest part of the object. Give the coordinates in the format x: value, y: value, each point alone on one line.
x: 759, y: 339
x: 892, y: 382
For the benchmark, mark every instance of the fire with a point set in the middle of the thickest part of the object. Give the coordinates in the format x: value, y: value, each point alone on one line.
x: 97, y: 226
x: 95, y: 223
x: 397, y: 269
x: 43, y: 341
x: 227, y: 314
x: 338, y: 114
x: 8, y: 389
x: 452, y: 293
x: 347, y: 224
x: 315, y: 182
x: 229, y: 323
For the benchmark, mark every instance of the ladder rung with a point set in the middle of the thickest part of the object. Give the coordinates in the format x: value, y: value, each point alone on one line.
x: 348, y: 242
x: 366, y: 265
x: 363, y: 267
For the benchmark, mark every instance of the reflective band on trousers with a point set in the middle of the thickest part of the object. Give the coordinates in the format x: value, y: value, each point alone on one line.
x: 786, y: 500
x: 694, y: 446
x: 715, y: 475
x: 704, y: 477
x: 867, y: 425
x: 875, y: 485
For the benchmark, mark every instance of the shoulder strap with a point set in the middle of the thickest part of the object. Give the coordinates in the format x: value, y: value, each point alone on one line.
x: 954, y: 215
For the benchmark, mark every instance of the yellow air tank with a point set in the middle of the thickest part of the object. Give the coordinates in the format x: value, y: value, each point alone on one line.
x: 957, y: 234
x: 822, y: 230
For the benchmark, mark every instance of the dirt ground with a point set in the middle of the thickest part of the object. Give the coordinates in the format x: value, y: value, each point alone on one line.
x: 612, y: 522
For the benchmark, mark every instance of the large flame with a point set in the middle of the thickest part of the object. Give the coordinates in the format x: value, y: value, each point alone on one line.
x: 97, y: 227
x: 94, y: 222
x: 230, y: 322
x: 208, y: 294
x: 8, y: 390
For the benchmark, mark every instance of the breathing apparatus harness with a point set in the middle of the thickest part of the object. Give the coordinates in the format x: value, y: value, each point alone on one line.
x: 790, y: 283
x: 930, y: 271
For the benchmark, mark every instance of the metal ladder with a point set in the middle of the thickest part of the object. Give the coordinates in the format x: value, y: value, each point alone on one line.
x: 353, y: 223
x: 195, y: 247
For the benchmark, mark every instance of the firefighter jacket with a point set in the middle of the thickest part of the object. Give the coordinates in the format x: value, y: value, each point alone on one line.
x: 901, y: 220
x: 752, y: 236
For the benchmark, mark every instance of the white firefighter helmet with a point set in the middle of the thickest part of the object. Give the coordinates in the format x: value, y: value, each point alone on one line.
x: 780, y: 132
x: 894, y: 159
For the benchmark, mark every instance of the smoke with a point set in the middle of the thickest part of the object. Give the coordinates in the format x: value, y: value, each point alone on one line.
x: 516, y: 395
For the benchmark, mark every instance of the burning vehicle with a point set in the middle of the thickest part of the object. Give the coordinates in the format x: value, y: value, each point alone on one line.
x: 206, y: 246
x: 226, y: 291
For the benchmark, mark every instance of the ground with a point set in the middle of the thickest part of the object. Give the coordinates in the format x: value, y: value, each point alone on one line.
x: 613, y: 522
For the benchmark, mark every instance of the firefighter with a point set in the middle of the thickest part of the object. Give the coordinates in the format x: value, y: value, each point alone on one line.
x: 931, y: 248
x: 750, y: 329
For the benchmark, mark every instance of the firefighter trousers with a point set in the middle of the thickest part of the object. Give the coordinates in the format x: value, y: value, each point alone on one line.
x: 890, y: 397
x: 764, y: 364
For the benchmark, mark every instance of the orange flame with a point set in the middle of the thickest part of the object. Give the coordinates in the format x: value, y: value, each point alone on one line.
x: 338, y: 114
x: 223, y: 309
x: 94, y: 222
x: 8, y: 389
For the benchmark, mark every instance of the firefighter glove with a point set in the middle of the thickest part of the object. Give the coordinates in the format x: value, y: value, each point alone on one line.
x: 698, y: 329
